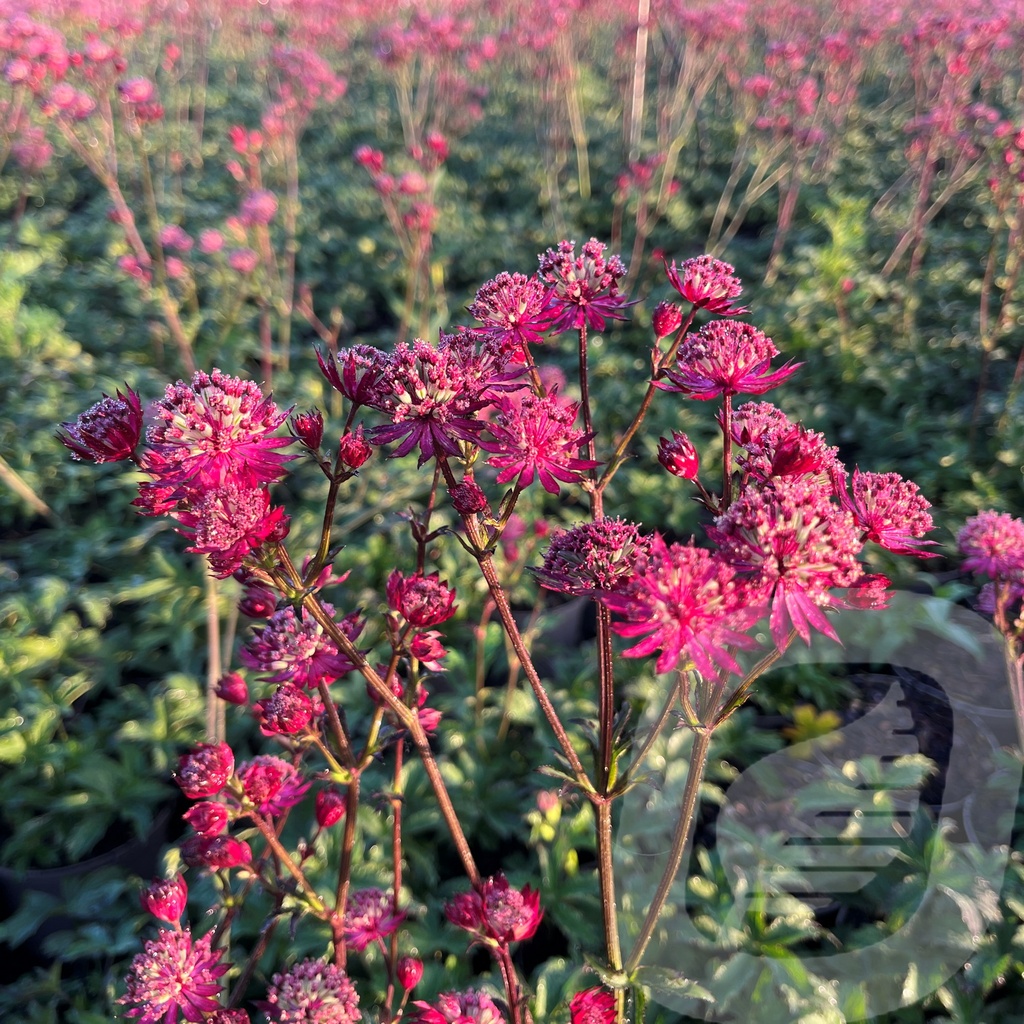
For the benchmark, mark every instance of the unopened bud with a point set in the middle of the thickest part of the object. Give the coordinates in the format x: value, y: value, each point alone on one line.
x: 679, y: 456
x: 308, y: 427
x: 666, y: 319
x: 165, y: 899
x: 409, y: 971
x: 232, y: 688
x: 354, y: 449
x: 330, y: 807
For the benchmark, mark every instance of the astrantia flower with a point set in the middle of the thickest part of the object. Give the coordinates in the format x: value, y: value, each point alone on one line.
x: 891, y: 511
x: 285, y: 712
x: 330, y: 807
x: 773, y: 445
x: 791, y: 539
x: 165, y: 898
x: 433, y: 402
x: 515, y: 309
x: 217, y: 853
x: 109, y: 431
x: 361, y: 373
x: 174, y: 975
x: 679, y: 456
x: 227, y: 523
x: 208, y: 818
x: 708, y: 283
x: 460, y: 1008
x: 496, y: 913
x: 206, y: 770
x: 685, y: 601
x: 271, y: 784
x: 592, y: 557
x: 585, y: 288
x: 536, y: 437
x: 370, y: 916
x: 593, y: 1006
x: 297, y: 650
x: 313, y: 992
x: 423, y: 601
x: 215, y: 431
x: 993, y: 544
x: 726, y: 358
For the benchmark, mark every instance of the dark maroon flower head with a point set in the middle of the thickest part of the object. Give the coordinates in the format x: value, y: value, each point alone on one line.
x: 708, y: 283
x: 354, y: 449
x: 109, y: 431
x: 726, y: 358
x: 206, y: 770
x: 165, y: 898
x: 361, y: 373
x: 308, y: 427
x: 585, y: 288
x: 330, y: 807
x: 208, y: 818
x: 593, y: 1006
x: 592, y: 557
x: 286, y: 712
x: 423, y: 601
x: 468, y: 498
x: 258, y: 602
x: 679, y: 456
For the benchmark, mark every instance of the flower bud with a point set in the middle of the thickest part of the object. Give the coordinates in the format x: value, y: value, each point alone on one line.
x: 258, y: 602
x: 165, y: 898
x: 468, y: 498
x: 215, y: 853
x: 330, y: 807
x: 232, y: 688
x: 679, y: 456
x: 286, y: 712
x: 208, y: 818
x: 666, y: 319
x: 308, y: 427
x: 206, y: 770
x: 409, y: 971
x: 354, y: 449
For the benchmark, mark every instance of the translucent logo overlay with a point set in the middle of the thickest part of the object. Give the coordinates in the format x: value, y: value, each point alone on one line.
x: 893, y: 829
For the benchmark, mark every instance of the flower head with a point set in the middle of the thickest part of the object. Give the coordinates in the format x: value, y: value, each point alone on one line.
x: 726, y: 358
x: 215, y: 431
x: 535, y: 437
x: 294, y: 648
x: 708, y: 283
x: 993, y: 544
x: 287, y: 711
x: 688, y: 601
x: 679, y: 456
x: 361, y: 373
x: 313, y: 992
x: 666, y: 319
x: 165, y: 898
x: 460, y: 1008
x: 496, y: 913
x: 423, y: 601
x: 370, y: 916
x: 206, y: 770
x: 108, y: 431
x: 515, y: 309
x: 592, y: 557
x: 891, y: 511
x: 584, y: 288
x: 174, y: 975
x: 271, y: 784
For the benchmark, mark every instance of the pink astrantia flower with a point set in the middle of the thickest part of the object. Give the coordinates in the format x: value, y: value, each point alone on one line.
x: 666, y: 319
x: 271, y: 784
x: 297, y: 650
x: 515, y: 309
x: 174, y: 975
x: 361, y: 373
x: 993, y: 544
x: 773, y: 445
x: 370, y: 916
x: 708, y: 283
x: 227, y: 523
x: 459, y: 1008
x: 679, y: 456
x: 592, y: 557
x: 206, y: 770
x: 791, y: 540
x: 208, y: 818
x: 496, y: 914
x: 165, y: 898
x: 423, y: 601
x: 584, y: 288
x: 593, y: 1006
x: 535, y: 437
x: 891, y: 511
x: 108, y: 431
x: 214, y: 431
x: 312, y: 992
x: 726, y: 358
x: 685, y: 601
x: 286, y: 712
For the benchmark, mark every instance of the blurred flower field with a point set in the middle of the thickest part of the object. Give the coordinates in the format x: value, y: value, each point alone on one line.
x: 219, y: 192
